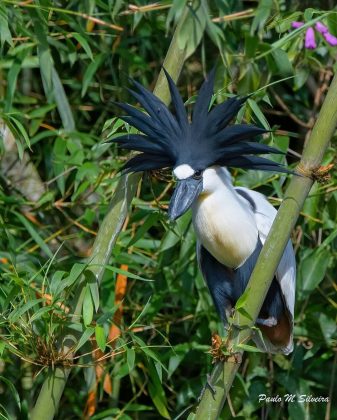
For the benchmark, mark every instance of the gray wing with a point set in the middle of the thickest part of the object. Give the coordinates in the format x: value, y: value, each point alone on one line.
x: 265, y: 214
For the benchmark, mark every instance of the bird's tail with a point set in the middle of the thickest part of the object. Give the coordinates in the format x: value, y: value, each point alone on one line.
x: 277, y: 338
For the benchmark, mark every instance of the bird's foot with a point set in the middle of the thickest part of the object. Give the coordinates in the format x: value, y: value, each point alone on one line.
x: 208, y: 385
x: 269, y: 322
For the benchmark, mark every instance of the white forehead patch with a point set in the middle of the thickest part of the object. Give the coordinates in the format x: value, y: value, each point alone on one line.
x: 183, y: 171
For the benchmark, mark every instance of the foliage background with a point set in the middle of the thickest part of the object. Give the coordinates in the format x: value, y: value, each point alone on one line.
x: 143, y: 347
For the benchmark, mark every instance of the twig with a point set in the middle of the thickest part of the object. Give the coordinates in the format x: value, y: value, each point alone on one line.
x: 68, y: 12
x: 289, y: 113
x: 143, y: 9
x: 235, y: 16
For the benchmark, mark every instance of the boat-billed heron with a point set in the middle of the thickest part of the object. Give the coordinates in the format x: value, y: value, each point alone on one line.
x: 231, y: 223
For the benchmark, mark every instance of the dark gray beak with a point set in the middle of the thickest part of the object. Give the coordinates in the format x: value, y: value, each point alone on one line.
x: 187, y: 190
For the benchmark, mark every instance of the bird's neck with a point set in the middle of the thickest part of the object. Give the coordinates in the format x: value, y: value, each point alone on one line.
x: 224, y: 221
x: 218, y: 184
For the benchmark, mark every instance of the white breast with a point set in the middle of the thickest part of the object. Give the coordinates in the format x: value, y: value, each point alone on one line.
x: 224, y: 224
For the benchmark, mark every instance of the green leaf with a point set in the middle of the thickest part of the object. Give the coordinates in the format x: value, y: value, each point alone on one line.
x: 13, y: 390
x: 75, y: 272
x: 147, y: 350
x: 157, y: 392
x: 18, y: 312
x: 261, y: 15
x: 34, y: 234
x: 243, y: 312
x: 248, y: 348
x: 88, y: 307
x: 56, y: 281
x: 130, y: 356
x: 148, y: 223
x: 5, y: 33
x: 242, y: 300
x: 251, y: 43
x: 258, y: 113
x: 107, y: 316
x: 313, y: 268
x: 143, y: 312
x: 100, y: 337
x: 282, y: 62
x: 41, y: 111
x: 62, y: 102
x: 84, y: 43
x: 84, y: 338
x: 93, y: 285
x: 20, y: 129
x: 328, y: 327
x: 40, y: 312
x: 308, y: 13
x: 126, y: 273
x: 11, y: 83
x: 45, y: 57
x: 90, y: 72
x: 192, y: 30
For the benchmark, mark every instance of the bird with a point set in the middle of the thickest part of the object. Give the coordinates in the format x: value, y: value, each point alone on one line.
x: 231, y: 223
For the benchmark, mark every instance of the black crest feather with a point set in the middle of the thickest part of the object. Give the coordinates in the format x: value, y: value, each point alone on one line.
x: 169, y: 140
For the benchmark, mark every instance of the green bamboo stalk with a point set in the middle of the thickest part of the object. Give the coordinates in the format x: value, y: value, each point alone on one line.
x: 52, y: 389
x: 224, y: 373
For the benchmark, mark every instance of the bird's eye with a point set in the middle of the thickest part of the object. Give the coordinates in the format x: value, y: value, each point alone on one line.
x: 197, y: 175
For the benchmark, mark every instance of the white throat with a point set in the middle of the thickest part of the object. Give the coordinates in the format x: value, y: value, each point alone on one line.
x: 223, y: 220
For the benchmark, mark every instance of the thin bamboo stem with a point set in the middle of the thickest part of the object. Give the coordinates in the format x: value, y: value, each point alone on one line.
x: 224, y: 373
x: 52, y: 389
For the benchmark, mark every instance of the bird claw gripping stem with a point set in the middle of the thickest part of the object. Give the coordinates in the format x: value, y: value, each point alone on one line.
x: 208, y: 385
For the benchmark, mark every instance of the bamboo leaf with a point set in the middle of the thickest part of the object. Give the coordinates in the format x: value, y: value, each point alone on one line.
x: 313, y: 269
x: 90, y: 72
x: 13, y: 390
x: 193, y: 28
x: 34, y: 234
x: 88, y: 307
x: 5, y: 33
x: 11, y: 82
x: 157, y: 393
x: 85, y: 337
x: 84, y: 43
x: 18, y: 312
x: 143, y: 312
x: 100, y: 337
x: 62, y: 102
x: 130, y: 356
x: 19, y: 130
x: 126, y: 273
x: 247, y: 347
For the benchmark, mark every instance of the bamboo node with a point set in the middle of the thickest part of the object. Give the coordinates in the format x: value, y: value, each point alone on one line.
x: 234, y: 358
x: 220, y: 352
x: 217, y: 349
x: 319, y: 174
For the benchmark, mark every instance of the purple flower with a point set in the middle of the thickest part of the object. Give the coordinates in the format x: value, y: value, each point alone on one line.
x: 321, y: 28
x: 297, y: 24
x: 310, y: 41
x: 330, y: 39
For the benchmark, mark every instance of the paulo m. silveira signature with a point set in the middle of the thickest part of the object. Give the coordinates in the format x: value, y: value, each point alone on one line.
x: 290, y: 398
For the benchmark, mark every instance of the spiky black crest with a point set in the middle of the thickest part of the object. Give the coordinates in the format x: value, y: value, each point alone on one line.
x: 170, y: 140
